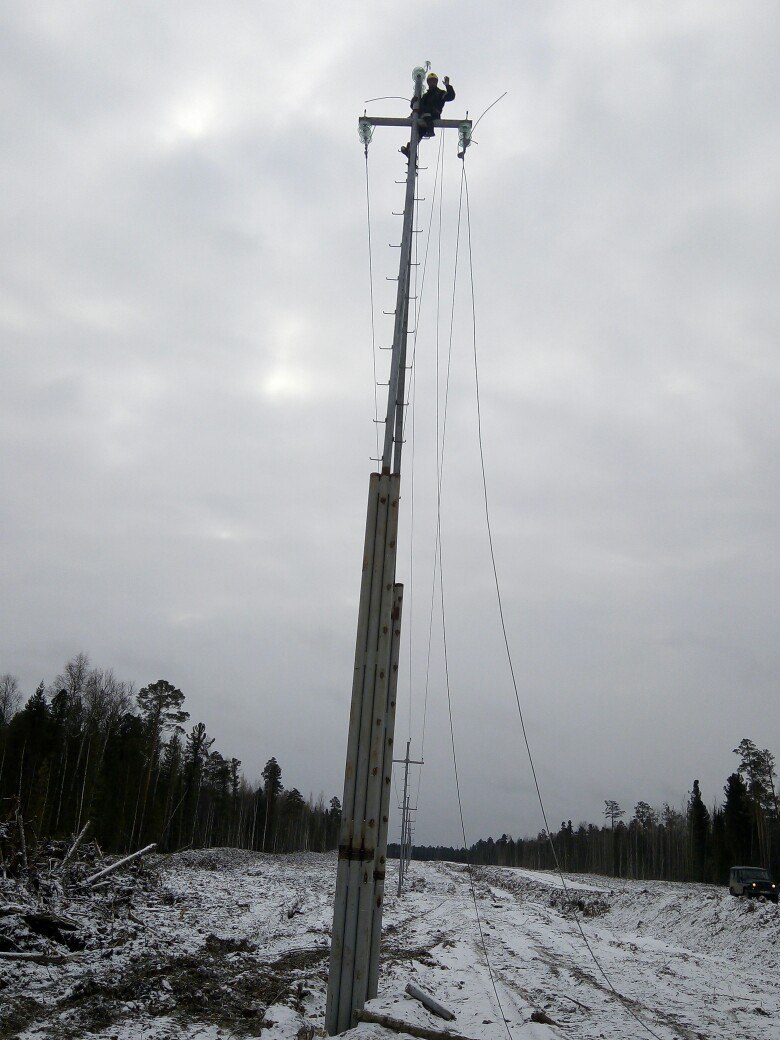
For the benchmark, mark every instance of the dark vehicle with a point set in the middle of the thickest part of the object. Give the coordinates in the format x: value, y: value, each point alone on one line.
x: 752, y: 882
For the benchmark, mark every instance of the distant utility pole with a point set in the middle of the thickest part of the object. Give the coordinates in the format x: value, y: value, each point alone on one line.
x: 360, y: 883
x: 405, y: 849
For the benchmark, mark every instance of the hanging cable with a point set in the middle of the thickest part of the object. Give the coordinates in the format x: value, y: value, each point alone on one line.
x: 418, y: 306
x: 439, y: 464
x: 439, y: 476
x: 482, y: 940
x: 474, y: 127
x: 371, y: 297
x: 624, y: 1002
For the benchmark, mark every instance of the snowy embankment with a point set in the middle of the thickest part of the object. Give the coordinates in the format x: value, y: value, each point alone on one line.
x: 231, y: 944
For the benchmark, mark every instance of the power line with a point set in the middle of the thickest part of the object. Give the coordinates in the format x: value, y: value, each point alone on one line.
x: 371, y: 297
x: 439, y: 478
x: 559, y: 871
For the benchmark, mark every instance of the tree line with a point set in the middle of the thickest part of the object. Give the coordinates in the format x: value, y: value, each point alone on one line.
x: 88, y: 746
x: 691, y: 844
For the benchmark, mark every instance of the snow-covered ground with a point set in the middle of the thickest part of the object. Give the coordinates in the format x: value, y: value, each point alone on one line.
x: 232, y: 944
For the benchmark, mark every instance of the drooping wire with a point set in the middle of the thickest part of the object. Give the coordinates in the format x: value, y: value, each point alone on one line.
x: 410, y: 593
x: 623, y: 1000
x: 439, y: 475
x: 439, y: 440
x: 412, y: 437
x: 371, y: 297
x: 440, y: 431
x: 474, y: 127
x: 420, y: 294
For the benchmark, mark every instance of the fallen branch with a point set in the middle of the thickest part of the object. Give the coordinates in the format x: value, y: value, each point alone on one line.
x: 13, y: 908
x: 40, y: 956
x: 120, y: 863
x: 404, y: 1027
x: 74, y: 846
x: 430, y: 1002
x: 585, y: 1006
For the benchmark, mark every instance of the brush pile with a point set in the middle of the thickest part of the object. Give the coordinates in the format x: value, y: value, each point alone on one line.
x: 59, y: 898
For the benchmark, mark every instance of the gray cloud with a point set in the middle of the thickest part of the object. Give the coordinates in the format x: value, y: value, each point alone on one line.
x: 186, y: 403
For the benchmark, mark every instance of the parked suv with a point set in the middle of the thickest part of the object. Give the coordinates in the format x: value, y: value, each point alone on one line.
x: 752, y: 881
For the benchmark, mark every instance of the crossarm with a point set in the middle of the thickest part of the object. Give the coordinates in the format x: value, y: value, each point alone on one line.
x: 453, y: 124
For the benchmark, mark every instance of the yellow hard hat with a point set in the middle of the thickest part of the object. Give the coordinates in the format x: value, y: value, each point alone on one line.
x: 432, y: 75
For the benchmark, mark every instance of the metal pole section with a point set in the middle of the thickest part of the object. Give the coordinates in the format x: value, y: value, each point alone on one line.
x: 405, y: 843
x: 404, y: 820
x: 394, y: 400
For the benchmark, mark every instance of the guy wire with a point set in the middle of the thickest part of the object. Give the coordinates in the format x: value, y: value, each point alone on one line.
x: 444, y: 626
x: 624, y: 1002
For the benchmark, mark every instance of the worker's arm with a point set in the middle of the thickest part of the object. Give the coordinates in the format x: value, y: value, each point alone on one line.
x: 450, y: 93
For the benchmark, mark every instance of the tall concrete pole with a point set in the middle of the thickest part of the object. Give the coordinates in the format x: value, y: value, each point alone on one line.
x: 357, y: 909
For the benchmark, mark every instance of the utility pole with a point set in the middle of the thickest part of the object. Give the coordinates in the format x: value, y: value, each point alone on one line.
x: 405, y: 846
x: 360, y: 881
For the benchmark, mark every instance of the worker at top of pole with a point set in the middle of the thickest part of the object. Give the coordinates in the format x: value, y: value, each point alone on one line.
x: 431, y: 104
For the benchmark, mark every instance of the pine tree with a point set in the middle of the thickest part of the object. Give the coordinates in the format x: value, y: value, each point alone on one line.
x: 737, y: 821
x: 272, y: 775
x: 160, y: 705
x: 698, y: 830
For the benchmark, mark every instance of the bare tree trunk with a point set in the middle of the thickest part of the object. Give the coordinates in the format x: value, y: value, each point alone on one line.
x: 22, y: 839
x: 195, y: 813
x: 62, y: 787
x: 254, y: 823
x: 42, y: 815
x: 74, y: 846
x: 83, y: 785
x: 265, y: 824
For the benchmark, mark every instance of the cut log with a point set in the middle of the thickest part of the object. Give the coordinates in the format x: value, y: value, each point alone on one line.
x: 398, y: 1026
x: 430, y: 1002
x: 120, y: 863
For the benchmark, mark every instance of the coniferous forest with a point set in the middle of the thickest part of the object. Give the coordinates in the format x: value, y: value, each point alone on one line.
x: 689, y: 844
x: 88, y: 747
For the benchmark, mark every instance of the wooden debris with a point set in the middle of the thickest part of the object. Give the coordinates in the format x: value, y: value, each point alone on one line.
x: 12, y: 908
x: 398, y: 1026
x: 429, y: 1002
x: 52, y: 895
x: 296, y: 908
x: 120, y: 863
x: 544, y: 1018
x: 22, y: 840
x: 40, y: 956
x: 74, y: 846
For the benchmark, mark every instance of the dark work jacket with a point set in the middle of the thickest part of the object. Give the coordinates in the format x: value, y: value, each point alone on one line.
x: 432, y: 101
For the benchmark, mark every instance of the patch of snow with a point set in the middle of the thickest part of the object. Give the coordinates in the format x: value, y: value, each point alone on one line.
x: 235, y: 944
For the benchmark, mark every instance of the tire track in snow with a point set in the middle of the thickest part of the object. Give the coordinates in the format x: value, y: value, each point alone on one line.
x: 684, y: 1004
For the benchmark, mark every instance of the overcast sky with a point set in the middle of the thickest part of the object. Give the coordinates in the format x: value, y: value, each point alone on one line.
x: 187, y: 401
